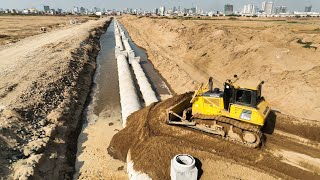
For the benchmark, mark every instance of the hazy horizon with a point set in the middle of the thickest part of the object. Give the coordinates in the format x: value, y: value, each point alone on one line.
x: 293, y: 5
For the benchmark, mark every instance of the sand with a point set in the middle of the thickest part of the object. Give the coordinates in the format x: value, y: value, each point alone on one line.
x: 188, y: 52
x: 93, y: 160
x: 153, y: 143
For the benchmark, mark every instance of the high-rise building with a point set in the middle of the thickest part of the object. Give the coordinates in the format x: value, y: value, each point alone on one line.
x: 263, y: 6
x: 75, y: 9
x: 268, y: 7
x: 156, y: 11
x: 280, y: 9
x: 308, y: 8
x: 228, y: 9
x: 248, y: 9
x: 193, y: 10
x: 46, y: 8
x: 162, y: 10
x: 82, y: 10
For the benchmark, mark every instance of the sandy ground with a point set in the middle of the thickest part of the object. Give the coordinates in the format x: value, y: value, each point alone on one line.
x: 45, y: 80
x: 153, y: 144
x: 93, y: 160
x: 14, y: 28
x: 187, y: 52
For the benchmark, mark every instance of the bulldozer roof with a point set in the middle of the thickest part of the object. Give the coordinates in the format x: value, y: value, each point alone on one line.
x: 248, y: 84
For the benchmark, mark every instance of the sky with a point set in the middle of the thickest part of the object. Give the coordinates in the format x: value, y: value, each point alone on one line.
x: 293, y: 5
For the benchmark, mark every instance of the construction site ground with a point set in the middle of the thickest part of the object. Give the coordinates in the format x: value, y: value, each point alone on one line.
x: 46, y: 80
x: 282, y: 52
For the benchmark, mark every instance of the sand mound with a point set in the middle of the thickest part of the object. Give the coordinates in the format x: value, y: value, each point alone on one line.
x: 282, y: 53
x: 153, y: 143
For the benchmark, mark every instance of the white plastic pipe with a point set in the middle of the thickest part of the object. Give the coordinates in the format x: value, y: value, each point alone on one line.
x: 129, y: 99
x: 145, y: 87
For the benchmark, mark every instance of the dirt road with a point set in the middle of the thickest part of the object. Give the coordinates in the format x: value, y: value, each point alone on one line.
x: 187, y: 52
x: 45, y: 80
x: 15, y: 28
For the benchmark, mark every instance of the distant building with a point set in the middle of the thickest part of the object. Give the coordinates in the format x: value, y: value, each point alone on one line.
x: 263, y: 6
x: 82, y: 10
x: 46, y: 8
x: 26, y: 11
x: 33, y: 11
x: 59, y: 11
x: 162, y: 10
x: 308, y: 8
x: 280, y: 9
x: 193, y: 10
x: 13, y: 11
x: 156, y: 11
x: 228, y: 9
x: 174, y: 9
x: 95, y: 9
x: 75, y: 10
x: 268, y: 6
x: 249, y: 9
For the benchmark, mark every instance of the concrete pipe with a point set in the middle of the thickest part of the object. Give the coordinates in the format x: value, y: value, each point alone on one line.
x: 119, y: 42
x: 145, y: 87
x: 126, y: 44
x: 129, y: 99
x: 122, y: 34
x: 183, y: 167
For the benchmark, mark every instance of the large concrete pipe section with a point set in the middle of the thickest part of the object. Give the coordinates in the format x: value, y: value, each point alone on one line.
x: 119, y: 42
x: 128, y: 97
x: 118, y: 36
x: 146, y: 90
x: 145, y: 87
x: 183, y: 166
x: 126, y: 44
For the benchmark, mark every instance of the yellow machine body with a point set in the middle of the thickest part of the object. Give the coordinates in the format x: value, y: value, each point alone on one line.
x: 214, y: 106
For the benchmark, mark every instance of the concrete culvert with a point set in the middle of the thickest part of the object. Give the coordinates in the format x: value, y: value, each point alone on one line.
x: 128, y: 97
x: 145, y: 87
x: 183, y: 167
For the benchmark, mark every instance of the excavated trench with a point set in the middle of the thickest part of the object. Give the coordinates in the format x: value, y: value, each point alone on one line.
x: 103, y: 104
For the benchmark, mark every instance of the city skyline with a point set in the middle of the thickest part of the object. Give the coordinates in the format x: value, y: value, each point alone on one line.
x: 218, y: 5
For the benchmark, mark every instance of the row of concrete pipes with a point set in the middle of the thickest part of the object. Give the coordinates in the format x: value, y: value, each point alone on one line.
x: 125, y: 56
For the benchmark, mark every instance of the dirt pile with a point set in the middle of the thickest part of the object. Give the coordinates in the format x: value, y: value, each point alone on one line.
x: 153, y: 143
x: 283, y: 53
x: 44, y: 88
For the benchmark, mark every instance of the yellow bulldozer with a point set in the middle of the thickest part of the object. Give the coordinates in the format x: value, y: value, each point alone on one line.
x: 236, y: 114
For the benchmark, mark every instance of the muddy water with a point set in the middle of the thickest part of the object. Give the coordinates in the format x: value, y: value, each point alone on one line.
x: 103, y: 114
x: 106, y: 86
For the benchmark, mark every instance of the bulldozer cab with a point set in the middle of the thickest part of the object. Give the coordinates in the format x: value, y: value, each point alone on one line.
x: 243, y: 94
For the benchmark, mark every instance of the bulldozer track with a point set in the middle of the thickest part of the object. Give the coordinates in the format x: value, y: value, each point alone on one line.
x: 230, y: 122
x: 250, y: 145
x: 236, y: 123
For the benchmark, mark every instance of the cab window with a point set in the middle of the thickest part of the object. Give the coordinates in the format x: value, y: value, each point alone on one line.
x: 243, y: 97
